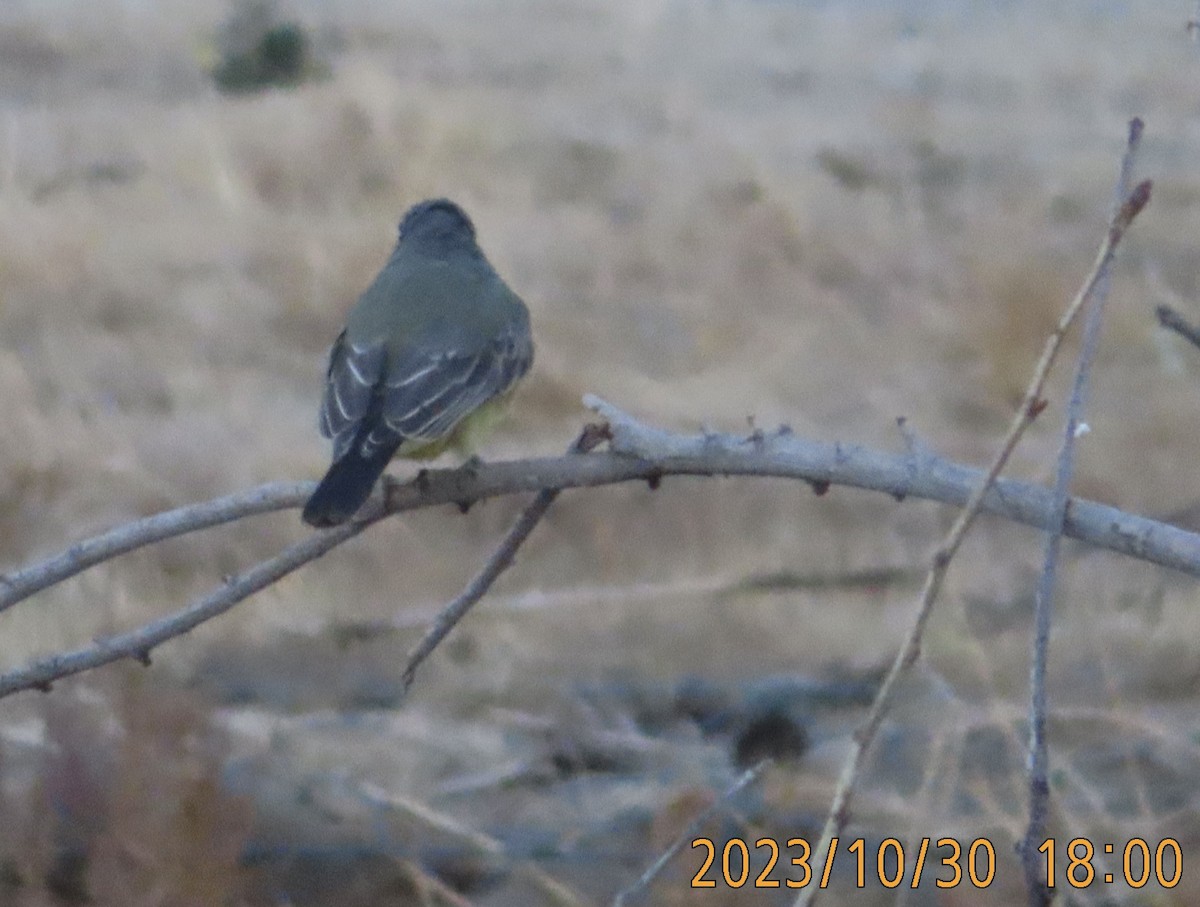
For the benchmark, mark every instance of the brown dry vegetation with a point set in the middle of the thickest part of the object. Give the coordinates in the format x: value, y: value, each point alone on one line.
x: 827, y: 215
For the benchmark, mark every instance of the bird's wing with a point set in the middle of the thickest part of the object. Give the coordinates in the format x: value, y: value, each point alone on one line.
x: 353, y: 375
x: 427, y: 394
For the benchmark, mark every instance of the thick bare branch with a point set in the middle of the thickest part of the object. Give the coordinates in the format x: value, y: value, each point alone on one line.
x: 644, y: 453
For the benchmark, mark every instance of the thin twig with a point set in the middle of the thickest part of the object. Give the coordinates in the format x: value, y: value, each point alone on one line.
x: 744, y: 780
x: 501, y: 559
x: 1039, y: 784
x: 473, y: 839
x: 264, y: 499
x: 1173, y: 321
x: 139, y: 643
x: 426, y: 882
x: 419, y: 615
x: 1030, y: 407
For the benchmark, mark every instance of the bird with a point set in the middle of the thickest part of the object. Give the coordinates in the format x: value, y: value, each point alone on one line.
x: 429, y: 356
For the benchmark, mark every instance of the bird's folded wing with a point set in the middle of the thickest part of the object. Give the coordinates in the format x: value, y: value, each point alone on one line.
x: 427, y: 395
x: 354, y: 373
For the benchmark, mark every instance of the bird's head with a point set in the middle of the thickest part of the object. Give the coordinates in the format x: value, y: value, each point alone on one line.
x: 437, y: 220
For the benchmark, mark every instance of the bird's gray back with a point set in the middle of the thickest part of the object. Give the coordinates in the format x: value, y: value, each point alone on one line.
x: 418, y: 299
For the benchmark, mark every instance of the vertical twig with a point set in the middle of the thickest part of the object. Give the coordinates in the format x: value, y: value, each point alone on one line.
x: 1031, y: 405
x: 499, y: 561
x: 1039, y: 784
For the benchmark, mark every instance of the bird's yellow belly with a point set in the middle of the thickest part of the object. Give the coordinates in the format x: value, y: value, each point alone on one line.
x: 464, y: 438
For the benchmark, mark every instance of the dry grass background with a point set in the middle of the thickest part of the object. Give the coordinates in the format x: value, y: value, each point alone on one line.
x: 824, y: 214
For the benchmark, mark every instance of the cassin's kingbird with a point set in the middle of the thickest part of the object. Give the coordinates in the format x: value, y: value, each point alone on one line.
x: 429, y: 353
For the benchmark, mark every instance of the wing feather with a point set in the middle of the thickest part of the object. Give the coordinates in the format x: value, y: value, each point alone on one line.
x: 426, y: 400
x: 353, y: 373
x: 422, y: 396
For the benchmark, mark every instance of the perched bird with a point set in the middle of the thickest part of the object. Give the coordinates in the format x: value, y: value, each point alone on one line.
x: 429, y: 354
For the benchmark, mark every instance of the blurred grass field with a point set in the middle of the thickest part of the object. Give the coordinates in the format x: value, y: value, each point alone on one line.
x: 821, y: 214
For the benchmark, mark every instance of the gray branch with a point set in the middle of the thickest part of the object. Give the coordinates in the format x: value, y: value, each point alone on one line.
x: 1127, y: 204
x: 637, y: 452
x: 274, y: 496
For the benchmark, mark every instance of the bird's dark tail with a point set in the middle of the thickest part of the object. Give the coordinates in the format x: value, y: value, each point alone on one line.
x: 346, y: 487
